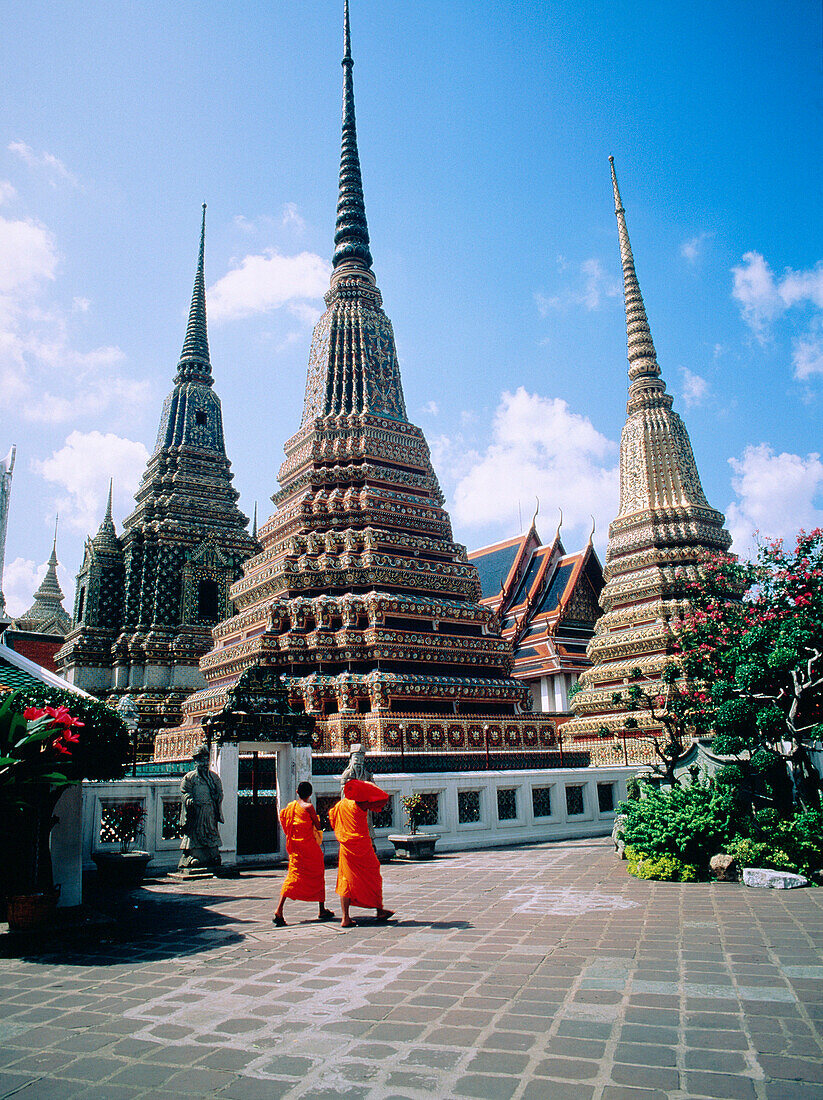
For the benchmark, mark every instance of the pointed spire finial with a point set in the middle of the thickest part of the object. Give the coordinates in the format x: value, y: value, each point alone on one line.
x: 351, y: 235
x: 254, y: 522
x: 644, y: 372
x: 54, y: 544
x: 194, y: 358
x: 108, y: 502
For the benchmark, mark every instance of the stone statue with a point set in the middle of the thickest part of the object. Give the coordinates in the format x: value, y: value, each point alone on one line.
x: 200, y: 811
x: 356, y: 767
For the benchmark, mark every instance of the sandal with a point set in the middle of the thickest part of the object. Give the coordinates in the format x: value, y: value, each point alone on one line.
x: 279, y: 921
x: 326, y: 914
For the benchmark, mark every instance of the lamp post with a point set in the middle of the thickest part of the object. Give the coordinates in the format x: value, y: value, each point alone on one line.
x: 127, y: 709
x: 402, y: 730
x: 486, y: 739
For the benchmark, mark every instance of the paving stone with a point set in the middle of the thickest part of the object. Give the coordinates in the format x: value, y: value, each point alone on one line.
x: 650, y: 1077
x: 622, y: 1092
x: 719, y: 1086
x: 144, y: 1075
x: 644, y: 1055
x: 402, y: 1079
x: 792, y: 1069
x: 498, y: 1062
x: 570, y: 1069
x: 250, y: 1088
x: 509, y: 1040
x: 486, y: 1088
x: 556, y: 1090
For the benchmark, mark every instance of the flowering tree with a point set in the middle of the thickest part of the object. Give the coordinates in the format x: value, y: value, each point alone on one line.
x: 759, y: 659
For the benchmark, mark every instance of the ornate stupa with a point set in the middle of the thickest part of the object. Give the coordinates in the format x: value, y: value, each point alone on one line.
x: 146, y: 602
x: 360, y: 599
x: 47, y: 614
x: 664, y: 526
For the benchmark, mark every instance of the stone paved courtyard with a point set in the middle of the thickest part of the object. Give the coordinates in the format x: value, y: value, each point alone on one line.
x: 541, y: 972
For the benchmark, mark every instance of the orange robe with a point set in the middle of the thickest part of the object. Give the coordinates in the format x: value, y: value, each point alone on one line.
x: 358, y: 868
x: 306, y: 877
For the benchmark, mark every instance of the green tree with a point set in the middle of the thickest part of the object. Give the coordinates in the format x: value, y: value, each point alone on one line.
x: 669, y: 712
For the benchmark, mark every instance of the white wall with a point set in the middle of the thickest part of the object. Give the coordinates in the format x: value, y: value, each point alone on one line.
x: 489, y: 832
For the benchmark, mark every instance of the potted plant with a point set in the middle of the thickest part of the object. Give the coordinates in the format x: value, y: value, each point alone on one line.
x: 124, y: 824
x: 50, y: 739
x: 415, y: 845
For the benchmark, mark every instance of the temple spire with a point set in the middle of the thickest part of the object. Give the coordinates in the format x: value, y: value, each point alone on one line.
x: 351, y: 236
x: 50, y: 586
x: 106, y: 537
x: 194, y: 358
x: 644, y: 372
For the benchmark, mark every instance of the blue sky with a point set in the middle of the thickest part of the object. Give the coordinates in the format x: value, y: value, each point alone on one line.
x: 485, y: 130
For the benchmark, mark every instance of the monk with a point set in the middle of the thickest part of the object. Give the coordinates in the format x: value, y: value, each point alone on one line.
x: 306, y: 876
x: 359, y: 881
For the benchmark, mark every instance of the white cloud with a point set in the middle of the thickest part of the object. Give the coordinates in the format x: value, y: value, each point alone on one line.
x: 777, y: 494
x: 21, y: 579
x: 82, y: 468
x: 27, y: 255
x: 307, y: 314
x: 591, y: 287
x: 262, y: 283
x: 431, y: 409
x: 807, y: 356
x: 762, y: 298
x: 41, y: 373
x: 692, y: 249
x: 48, y: 163
x: 292, y: 218
x: 694, y: 388
x: 539, y: 448
x: 7, y: 192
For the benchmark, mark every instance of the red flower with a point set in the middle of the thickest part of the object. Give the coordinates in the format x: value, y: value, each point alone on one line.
x: 62, y: 717
x: 31, y: 714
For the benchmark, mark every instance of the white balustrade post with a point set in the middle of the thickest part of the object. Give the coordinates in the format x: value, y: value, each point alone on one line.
x: 65, y: 844
x: 226, y: 762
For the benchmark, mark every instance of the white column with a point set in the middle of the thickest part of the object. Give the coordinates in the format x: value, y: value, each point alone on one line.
x: 287, y: 781
x: 226, y: 762
x: 302, y: 756
x: 65, y: 844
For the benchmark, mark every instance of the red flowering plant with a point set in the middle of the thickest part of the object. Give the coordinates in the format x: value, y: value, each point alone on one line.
x: 34, y: 745
x: 50, y: 739
x: 754, y: 642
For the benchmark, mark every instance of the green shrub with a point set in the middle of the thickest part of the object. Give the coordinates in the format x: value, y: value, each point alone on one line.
x: 661, y: 868
x: 759, y: 853
x: 781, y: 843
x: 689, y: 823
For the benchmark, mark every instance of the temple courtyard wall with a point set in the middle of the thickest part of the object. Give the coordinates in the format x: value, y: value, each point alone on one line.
x: 470, y: 810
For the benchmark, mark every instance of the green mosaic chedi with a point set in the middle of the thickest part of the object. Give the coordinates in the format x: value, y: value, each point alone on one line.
x: 360, y: 598
x: 146, y: 601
